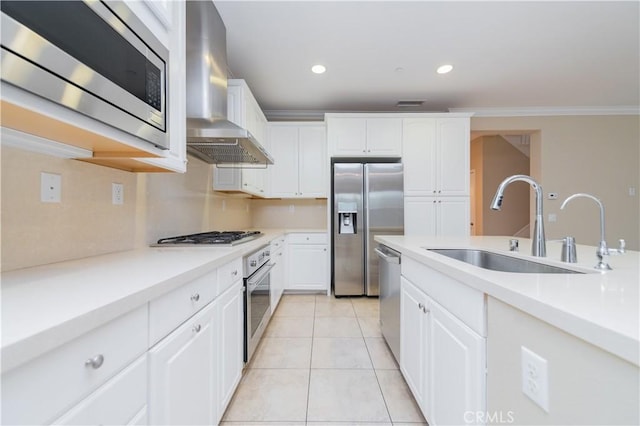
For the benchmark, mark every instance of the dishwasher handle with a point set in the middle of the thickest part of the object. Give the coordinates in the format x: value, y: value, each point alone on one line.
x: 387, y: 257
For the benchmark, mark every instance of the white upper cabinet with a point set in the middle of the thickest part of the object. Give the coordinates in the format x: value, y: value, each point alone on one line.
x: 300, y: 160
x: 243, y: 110
x: 363, y: 135
x: 436, y: 156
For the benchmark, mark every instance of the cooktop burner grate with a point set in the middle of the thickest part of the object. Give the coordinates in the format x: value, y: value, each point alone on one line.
x: 212, y: 237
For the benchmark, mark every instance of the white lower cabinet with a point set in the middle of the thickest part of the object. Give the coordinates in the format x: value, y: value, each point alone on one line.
x: 442, y: 360
x: 457, y: 370
x: 120, y: 401
x: 182, y: 371
x: 49, y: 386
x: 430, y: 216
x: 413, y: 339
x: 307, y: 260
x: 230, y: 345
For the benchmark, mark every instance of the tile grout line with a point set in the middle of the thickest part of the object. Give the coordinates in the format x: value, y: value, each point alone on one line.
x: 313, y: 326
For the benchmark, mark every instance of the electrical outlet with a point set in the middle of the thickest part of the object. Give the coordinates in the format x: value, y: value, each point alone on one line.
x: 292, y: 208
x: 553, y: 217
x: 50, y: 187
x: 632, y: 191
x: 224, y: 205
x: 535, y: 380
x: 117, y: 193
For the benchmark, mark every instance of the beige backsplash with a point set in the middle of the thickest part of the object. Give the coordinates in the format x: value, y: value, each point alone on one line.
x: 86, y: 223
x: 156, y: 205
x: 289, y: 214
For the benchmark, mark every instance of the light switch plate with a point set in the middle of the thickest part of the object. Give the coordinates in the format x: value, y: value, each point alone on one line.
x: 50, y: 187
x: 535, y: 379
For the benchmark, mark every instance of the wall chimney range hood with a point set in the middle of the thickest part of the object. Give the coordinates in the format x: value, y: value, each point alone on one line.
x: 210, y: 136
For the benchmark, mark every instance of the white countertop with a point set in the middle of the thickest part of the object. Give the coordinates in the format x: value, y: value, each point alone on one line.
x: 46, y: 306
x: 600, y: 308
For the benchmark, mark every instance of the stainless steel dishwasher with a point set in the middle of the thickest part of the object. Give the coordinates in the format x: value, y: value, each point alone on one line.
x: 389, y: 281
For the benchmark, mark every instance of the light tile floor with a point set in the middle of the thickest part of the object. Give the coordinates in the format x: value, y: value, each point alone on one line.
x: 323, y: 361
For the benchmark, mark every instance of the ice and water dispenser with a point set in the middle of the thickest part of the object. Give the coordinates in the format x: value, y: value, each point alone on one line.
x: 347, y: 218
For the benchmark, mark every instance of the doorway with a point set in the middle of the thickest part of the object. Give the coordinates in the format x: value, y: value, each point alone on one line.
x: 495, y: 156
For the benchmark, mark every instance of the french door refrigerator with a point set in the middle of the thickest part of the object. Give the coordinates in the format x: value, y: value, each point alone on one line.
x: 367, y: 200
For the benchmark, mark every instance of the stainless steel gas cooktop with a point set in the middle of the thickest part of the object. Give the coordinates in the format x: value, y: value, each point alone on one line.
x: 218, y: 238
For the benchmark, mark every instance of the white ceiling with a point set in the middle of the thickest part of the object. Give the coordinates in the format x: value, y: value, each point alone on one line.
x: 507, y: 55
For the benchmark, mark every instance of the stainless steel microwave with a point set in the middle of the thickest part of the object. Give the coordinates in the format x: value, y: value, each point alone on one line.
x: 95, y: 57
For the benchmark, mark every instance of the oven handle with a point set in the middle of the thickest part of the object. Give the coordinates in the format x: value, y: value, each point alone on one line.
x: 263, y: 273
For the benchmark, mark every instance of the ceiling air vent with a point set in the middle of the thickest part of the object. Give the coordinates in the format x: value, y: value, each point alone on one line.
x: 409, y: 104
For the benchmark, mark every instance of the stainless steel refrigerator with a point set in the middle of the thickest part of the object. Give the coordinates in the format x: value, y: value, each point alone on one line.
x: 367, y: 200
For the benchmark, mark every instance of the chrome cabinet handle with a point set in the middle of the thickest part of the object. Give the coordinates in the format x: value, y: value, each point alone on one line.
x: 420, y: 306
x: 196, y: 328
x: 95, y: 362
x: 425, y: 310
x: 195, y: 297
x: 234, y: 273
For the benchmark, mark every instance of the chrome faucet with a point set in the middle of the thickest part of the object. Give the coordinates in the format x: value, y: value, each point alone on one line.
x: 538, y: 245
x: 602, y: 250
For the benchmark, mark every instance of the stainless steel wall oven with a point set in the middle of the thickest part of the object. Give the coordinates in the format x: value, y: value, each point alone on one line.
x: 257, y: 304
x: 95, y: 57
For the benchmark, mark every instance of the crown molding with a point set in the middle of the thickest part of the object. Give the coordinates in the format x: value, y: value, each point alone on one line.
x: 549, y: 111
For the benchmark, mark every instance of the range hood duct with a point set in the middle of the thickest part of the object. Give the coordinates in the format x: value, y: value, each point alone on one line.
x: 210, y: 136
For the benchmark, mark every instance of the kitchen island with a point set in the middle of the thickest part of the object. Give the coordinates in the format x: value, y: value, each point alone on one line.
x: 584, y: 326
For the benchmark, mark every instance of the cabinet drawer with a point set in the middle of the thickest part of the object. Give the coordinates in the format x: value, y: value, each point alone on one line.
x: 117, y: 402
x: 277, y: 245
x: 464, y: 302
x: 167, y: 312
x: 228, y: 274
x: 310, y: 238
x: 57, y: 380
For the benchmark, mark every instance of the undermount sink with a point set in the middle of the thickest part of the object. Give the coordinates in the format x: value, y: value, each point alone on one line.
x: 498, y: 262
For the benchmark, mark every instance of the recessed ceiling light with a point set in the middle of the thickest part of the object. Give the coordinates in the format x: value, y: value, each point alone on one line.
x: 444, y: 69
x: 318, y: 69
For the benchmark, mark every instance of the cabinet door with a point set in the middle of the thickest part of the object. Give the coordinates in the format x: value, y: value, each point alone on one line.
x: 413, y: 338
x: 284, y: 172
x: 453, y: 216
x: 181, y: 373
x: 420, y: 216
x: 347, y: 136
x: 419, y: 156
x: 313, y: 163
x: 307, y: 267
x: 384, y: 137
x: 230, y: 344
x: 453, y: 156
x: 456, y: 370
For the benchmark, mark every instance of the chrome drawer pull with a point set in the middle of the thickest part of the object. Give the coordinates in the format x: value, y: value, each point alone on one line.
x: 195, y: 297
x: 234, y: 273
x: 420, y: 306
x: 197, y: 328
x: 95, y: 362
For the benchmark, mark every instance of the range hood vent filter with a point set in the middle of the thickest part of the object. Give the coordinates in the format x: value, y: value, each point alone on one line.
x: 223, y: 153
